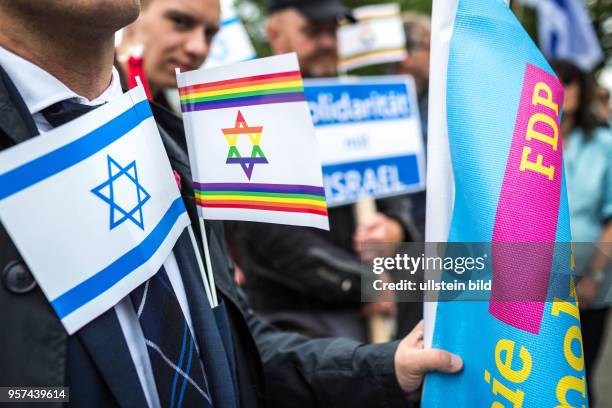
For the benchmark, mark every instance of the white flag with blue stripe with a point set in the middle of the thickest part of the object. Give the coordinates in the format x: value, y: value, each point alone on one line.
x: 565, y: 31
x: 232, y: 42
x: 93, y: 207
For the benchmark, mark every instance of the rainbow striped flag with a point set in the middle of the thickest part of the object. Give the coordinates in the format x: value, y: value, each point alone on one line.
x: 269, y: 197
x: 251, y: 143
x: 376, y: 38
x: 278, y: 87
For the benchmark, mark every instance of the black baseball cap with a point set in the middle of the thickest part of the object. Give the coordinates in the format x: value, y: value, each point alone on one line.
x: 315, y: 10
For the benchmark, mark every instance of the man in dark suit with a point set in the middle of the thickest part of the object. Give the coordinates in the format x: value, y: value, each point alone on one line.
x: 56, y: 61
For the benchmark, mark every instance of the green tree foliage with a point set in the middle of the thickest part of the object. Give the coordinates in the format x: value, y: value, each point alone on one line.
x: 601, y: 12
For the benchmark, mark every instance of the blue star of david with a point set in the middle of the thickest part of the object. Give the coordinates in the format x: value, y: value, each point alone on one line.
x: 127, y: 206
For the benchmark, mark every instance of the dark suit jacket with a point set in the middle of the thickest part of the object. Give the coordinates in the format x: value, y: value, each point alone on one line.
x: 271, y: 367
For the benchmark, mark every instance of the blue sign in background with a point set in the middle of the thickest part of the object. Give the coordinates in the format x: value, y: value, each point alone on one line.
x: 345, y: 105
x: 353, y: 103
x: 347, y: 182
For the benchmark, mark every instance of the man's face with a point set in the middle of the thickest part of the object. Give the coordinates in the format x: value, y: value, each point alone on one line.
x: 315, y: 43
x: 175, y: 34
x: 77, y: 16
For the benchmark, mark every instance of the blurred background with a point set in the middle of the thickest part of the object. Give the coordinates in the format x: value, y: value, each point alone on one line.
x: 252, y: 13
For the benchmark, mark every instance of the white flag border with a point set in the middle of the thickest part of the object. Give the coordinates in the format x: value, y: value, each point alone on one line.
x: 440, y: 179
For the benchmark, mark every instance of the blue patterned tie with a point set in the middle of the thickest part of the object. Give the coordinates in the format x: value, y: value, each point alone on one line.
x: 177, y: 367
x: 64, y: 111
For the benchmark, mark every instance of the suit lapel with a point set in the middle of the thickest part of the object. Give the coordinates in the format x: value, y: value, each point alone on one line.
x: 15, y: 119
x: 103, y: 340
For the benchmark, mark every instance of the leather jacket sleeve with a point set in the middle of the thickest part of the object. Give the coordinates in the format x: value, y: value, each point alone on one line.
x: 301, y: 259
x: 324, y: 372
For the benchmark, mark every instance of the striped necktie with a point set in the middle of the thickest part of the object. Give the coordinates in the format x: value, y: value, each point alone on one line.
x: 64, y: 111
x: 177, y: 368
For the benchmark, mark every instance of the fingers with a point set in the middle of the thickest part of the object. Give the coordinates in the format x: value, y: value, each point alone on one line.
x: 412, y: 362
x: 439, y: 360
x: 416, y: 335
x: 379, y: 308
x: 419, y: 327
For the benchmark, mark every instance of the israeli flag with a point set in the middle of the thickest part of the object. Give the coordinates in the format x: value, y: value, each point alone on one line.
x: 232, y: 42
x: 93, y: 207
x: 565, y: 31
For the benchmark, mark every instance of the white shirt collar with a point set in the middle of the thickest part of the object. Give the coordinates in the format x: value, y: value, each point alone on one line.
x: 39, y: 89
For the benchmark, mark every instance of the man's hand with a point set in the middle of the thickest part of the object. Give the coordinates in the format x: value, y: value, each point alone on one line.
x: 378, y: 229
x: 412, y: 361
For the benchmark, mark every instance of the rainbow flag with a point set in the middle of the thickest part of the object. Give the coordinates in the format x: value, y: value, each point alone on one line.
x: 496, y: 176
x: 269, y: 197
x: 251, y: 141
x: 376, y: 38
x: 278, y: 87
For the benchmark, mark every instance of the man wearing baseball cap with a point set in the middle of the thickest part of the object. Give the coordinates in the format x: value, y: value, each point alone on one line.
x: 307, y: 28
x: 299, y: 278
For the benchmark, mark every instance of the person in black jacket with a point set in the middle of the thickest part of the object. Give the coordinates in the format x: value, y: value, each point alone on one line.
x: 68, y: 45
x: 300, y: 278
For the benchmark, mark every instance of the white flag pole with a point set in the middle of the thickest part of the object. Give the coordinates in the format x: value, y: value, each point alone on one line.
x: 380, y: 328
x: 211, y: 274
x: 194, y: 243
x: 440, y: 182
x: 210, y: 294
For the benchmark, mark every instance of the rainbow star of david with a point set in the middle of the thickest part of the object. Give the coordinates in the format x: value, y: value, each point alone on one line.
x: 233, y: 156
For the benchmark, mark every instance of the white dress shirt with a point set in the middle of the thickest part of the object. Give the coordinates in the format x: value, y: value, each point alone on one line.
x: 39, y: 90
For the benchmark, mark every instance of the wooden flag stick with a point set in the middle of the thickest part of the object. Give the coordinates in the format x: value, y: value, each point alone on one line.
x: 379, y: 327
x: 194, y: 243
x: 211, y: 275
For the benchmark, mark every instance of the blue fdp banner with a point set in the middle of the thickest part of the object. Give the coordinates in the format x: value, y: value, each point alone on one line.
x: 369, y: 135
x: 502, y: 106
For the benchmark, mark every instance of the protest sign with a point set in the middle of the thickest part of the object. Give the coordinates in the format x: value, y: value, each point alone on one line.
x: 93, y: 207
x: 369, y: 136
x: 377, y: 37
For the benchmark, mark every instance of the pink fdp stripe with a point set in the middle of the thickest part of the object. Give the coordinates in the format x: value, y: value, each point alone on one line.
x: 528, y: 206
